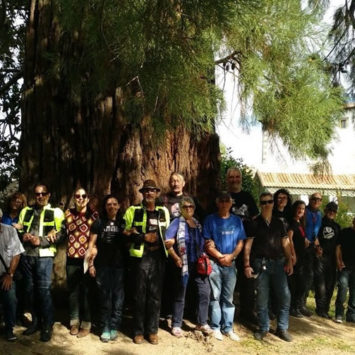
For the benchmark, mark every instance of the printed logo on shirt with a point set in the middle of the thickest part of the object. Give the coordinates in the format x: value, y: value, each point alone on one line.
x: 241, y: 211
x: 328, y: 233
x: 175, y: 210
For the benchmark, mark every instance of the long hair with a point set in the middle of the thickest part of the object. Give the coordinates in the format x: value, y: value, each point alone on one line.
x: 294, y: 209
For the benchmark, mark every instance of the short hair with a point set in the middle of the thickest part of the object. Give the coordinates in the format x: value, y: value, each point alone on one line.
x: 312, y: 195
x: 42, y: 185
x: 187, y: 199
x: 104, y: 201
x: 175, y: 173
x: 264, y: 194
x: 233, y: 168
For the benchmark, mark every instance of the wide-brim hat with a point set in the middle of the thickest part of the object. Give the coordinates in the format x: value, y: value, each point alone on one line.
x: 149, y: 184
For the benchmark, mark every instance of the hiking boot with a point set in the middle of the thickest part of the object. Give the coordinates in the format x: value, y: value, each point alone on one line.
x: 153, y: 339
x: 306, y: 312
x: 284, y: 335
x: 259, y: 335
x: 138, y: 339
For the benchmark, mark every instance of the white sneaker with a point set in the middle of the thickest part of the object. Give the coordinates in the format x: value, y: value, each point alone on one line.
x: 232, y: 336
x: 217, y: 334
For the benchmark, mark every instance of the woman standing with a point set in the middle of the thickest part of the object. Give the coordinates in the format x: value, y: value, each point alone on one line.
x: 185, y: 234
x: 78, y: 223
x: 15, y: 204
x: 106, y: 234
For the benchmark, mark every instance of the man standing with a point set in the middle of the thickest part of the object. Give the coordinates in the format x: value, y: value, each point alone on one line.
x: 313, y: 224
x: 345, y: 255
x: 224, y: 234
x: 267, y: 257
x: 325, y: 271
x: 42, y: 229
x: 146, y: 225
x: 10, y: 250
x: 245, y: 207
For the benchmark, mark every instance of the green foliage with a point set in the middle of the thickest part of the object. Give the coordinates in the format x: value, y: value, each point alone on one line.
x: 227, y: 161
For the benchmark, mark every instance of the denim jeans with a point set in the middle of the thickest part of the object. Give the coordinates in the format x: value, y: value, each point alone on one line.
x: 37, y: 274
x: 8, y: 299
x: 111, y: 293
x: 346, y: 280
x: 273, y: 277
x: 78, y: 287
x: 203, y: 293
x: 222, y: 280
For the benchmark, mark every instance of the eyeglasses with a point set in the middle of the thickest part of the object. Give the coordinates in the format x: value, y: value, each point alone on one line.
x: 149, y: 189
x: 41, y: 193
x: 266, y: 202
x: 185, y: 207
x: 83, y: 196
x: 316, y: 199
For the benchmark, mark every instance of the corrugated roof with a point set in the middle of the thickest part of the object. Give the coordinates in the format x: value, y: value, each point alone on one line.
x: 306, y: 183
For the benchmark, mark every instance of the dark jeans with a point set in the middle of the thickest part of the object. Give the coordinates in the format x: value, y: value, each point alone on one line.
x: 203, y: 294
x: 37, y: 274
x: 111, y: 293
x: 8, y: 299
x: 305, y: 272
x: 149, y: 273
x: 324, y: 282
x: 273, y: 277
x: 346, y: 280
x: 78, y: 287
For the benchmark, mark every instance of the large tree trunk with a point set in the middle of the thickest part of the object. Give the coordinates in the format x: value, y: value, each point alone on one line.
x: 68, y: 142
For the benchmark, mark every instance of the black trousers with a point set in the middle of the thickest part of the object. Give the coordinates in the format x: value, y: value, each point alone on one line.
x: 324, y: 281
x: 149, y: 274
x: 304, y: 274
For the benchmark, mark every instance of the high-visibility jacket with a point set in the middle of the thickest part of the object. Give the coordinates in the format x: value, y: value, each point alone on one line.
x: 50, y: 218
x: 136, y: 216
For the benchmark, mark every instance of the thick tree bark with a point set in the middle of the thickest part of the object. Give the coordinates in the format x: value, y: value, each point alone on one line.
x: 68, y: 142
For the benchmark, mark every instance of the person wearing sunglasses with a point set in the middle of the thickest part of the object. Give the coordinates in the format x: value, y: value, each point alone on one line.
x: 185, y: 234
x: 146, y: 225
x: 78, y: 221
x: 225, y: 235
x: 42, y: 228
x: 267, y: 258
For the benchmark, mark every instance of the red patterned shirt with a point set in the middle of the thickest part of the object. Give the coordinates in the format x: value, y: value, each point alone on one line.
x: 78, y: 230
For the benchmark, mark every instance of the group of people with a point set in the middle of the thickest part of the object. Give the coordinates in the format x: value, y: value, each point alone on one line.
x: 277, y: 255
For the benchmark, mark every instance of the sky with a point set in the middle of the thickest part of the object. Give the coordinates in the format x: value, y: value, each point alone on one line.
x: 247, y: 143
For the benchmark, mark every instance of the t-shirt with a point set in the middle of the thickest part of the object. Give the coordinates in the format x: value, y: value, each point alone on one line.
x: 6, y: 219
x: 193, y: 239
x: 328, y: 235
x: 347, y: 242
x: 267, y: 241
x: 243, y: 205
x: 110, y: 242
x: 172, y: 203
x: 10, y: 245
x: 283, y: 216
x: 298, y: 237
x: 225, y: 232
x: 313, y: 223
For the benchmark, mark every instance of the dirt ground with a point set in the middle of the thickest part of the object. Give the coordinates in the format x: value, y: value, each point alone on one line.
x: 310, y: 335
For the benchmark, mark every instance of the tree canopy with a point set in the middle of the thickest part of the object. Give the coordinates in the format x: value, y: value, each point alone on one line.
x: 161, y: 55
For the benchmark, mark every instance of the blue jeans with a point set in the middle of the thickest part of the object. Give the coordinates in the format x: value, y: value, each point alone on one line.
x: 111, y: 292
x: 222, y: 280
x: 273, y: 277
x: 346, y: 280
x: 8, y: 299
x: 37, y: 274
x: 203, y: 293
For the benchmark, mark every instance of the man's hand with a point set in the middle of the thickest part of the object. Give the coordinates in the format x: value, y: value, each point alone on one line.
x: 27, y: 237
x: 340, y: 265
x: 289, y: 267
x: 248, y: 272
x: 210, y: 244
x: 294, y: 259
x: 35, y: 241
x: 178, y: 262
x: 92, y: 271
x: 6, y: 282
x: 52, y: 236
x: 226, y: 259
x: 306, y: 243
x: 150, y: 237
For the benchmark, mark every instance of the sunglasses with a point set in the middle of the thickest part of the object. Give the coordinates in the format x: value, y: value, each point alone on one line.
x: 41, y: 193
x: 149, y: 189
x: 185, y: 207
x: 83, y: 196
x: 266, y: 202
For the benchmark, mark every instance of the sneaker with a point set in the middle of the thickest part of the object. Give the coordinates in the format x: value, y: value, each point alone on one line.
x: 338, y: 319
x: 105, y: 336
x: 205, y: 329
x: 10, y: 336
x: 232, y: 336
x: 176, y: 331
x: 113, y: 334
x: 217, y: 334
x: 284, y: 335
x: 260, y: 335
